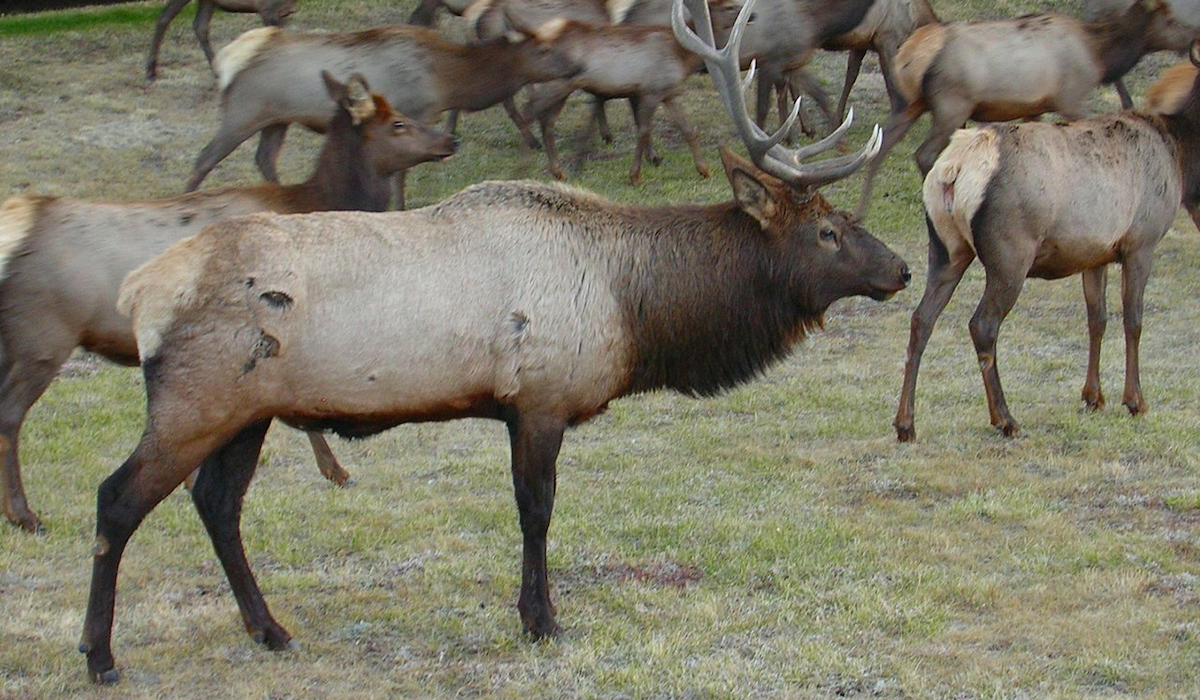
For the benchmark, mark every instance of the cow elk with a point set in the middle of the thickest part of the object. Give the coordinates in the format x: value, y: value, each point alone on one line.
x: 1049, y: 201
x: 531, y: 304
x: 62, y: 260
x: 998, y: 70
x: 1176, y: 36
x: 270, y: 79
x: 274, y: 13
x: 642, y: 63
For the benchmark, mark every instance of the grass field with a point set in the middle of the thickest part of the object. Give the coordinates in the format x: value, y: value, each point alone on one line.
x: 775, y: 542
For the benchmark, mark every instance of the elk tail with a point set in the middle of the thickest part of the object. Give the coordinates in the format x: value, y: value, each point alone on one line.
x: 237, y: 54
x: 957, y: 184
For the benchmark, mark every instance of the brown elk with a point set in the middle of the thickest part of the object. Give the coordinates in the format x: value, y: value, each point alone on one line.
x: 1049, y: 201
x: 532, y: 304
x: 998, y: 70
x: 1176, y: 36
x: 62, y: 260
x: 274, y: 13
x: 642, y: 63
x: 1169, y: 92
x: 269, y: 79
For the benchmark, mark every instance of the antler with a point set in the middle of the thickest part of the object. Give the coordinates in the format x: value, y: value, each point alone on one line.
x: 765, y: 150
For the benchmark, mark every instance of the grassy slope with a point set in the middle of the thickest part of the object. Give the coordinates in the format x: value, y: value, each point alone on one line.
x: 775, y: 541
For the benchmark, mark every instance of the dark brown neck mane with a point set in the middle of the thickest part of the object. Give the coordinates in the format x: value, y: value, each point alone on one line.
x: 343, y: 178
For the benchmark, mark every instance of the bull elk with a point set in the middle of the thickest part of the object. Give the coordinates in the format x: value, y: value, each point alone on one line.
x: 1049, y: 201
x: 998, y: 70
x: 532, y: 304
x: 274, y: 13
x: 269, y: 79
x: 62, y: 260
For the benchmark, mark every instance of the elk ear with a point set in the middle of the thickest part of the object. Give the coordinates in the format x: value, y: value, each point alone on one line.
x: 336, y: 90
x: 1194, y: 54
x: 359, y: 102
x: 755, y: 196
x: 548, y: 32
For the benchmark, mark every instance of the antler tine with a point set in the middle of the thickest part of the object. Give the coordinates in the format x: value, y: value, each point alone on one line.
x: 724, y: 67
x: 765, y: 150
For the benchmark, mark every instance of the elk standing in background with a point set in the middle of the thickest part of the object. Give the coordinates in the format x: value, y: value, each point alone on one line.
x: 532, y: 304
x: 1176, y: 36
x: 999, y: 70
x: 1049, y: 201
x: 274, y: 13
x: 270, y: 79
x: 62, y: 260
x: 643, y: 63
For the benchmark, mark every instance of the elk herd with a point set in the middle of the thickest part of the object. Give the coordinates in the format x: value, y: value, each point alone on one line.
x: 538, y: 304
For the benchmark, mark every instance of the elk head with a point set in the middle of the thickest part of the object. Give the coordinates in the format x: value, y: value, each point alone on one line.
x: 275, y: 13
x: 779, y: 189
x: 394, y: 141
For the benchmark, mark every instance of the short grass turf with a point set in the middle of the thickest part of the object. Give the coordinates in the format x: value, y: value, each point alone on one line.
x: 773, y: 542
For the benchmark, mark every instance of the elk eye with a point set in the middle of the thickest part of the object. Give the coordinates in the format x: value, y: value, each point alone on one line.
x: 398, y: 125
x: 827, y: 234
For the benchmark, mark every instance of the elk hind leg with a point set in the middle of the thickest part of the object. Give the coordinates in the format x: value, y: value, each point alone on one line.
x: 1095, y: 283
x: 204, y: 15
x: 218, y: 494
x: 327, y: 463
x: 1005, y: 276
x: 1135, y: 271
x: 168, y: 14
x: 945, y: 272
x: 266, y: 157
x: 689, y: 134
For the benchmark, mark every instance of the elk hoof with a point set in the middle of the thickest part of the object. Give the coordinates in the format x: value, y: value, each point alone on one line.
x: 558, y: 174
x: 273, y: 637
x: 704, y: 171
x: 906, y: 433
x: 1093, y: 402
x: 1009, y: 429
x: 28, y: 522
x: 542, y: 629
x: 109, y: 677
x: 635, y: 178
x: 654, y: 159
x: 1136, y: 406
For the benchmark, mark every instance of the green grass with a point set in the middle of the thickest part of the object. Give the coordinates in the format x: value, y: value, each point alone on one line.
x: 81, y: 20
x: 775, y: 541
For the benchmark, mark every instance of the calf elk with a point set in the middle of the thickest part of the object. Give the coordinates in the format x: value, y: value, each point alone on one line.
x: 274, y: 13
x: 1052, y: 200
x: 62, y: 260
x: 643, y: 63
x: 532, y: 304
x: 1008, y: 69
x: 269, y: 79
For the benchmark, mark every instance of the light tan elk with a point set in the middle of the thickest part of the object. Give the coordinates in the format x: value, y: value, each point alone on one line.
x: 274, y: 13
x: 999, y: 70
x: 270, y: 79
x: 643, y: 63
x: 1176, y: 36
x: 532, y: 304
x: 1052, y: 200
x: 62, y: 260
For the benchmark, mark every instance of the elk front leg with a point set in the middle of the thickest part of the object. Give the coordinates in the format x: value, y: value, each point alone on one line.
x: 535, y: 444
x: 689, y: 134
x: 853, y: 66
x: 1095, y: 283
x: 168, y: 14
x: 1135, y: 271
x: 218, y: 494
x: 266, y: 157
x: 945, y: 272
x: 327, y: 463
x: 897, y: 126
x: 510, y: 107
x: 646, y: 106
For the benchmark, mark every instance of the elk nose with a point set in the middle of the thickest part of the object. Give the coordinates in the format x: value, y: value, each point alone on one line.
x: 905, y: 274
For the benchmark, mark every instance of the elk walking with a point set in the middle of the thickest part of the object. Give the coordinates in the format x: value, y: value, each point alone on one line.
x: 998, y: 70
x: 532, y: 304
x: 274, y: 13
x: 270, y: 79
x: 62, y: 260
x: 1049, y: 201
